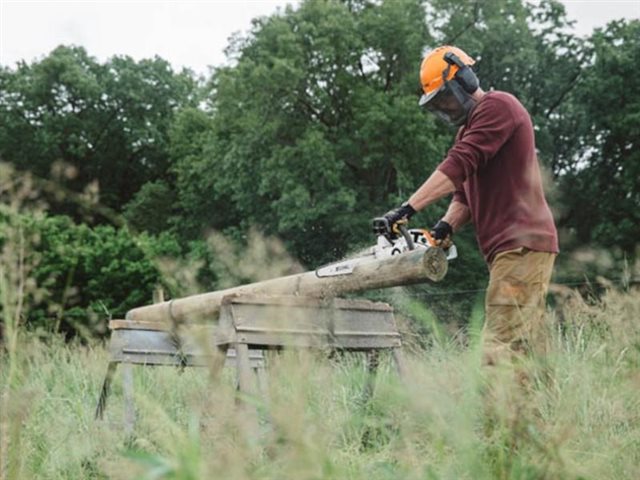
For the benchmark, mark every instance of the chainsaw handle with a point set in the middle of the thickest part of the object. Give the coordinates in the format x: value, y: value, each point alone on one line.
x: 407, y: 236
x: 381, y: 227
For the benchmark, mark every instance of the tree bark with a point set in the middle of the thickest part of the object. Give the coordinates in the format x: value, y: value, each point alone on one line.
x: 417, y: 266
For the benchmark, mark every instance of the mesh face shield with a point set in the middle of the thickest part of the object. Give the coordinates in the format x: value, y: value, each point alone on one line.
x: 450, y: 103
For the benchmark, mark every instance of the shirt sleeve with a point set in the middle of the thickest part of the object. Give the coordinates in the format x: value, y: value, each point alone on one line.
x: 491, y: 125
x: 460, y: 197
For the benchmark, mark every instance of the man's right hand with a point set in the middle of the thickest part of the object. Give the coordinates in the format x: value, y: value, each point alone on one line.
x: 441, y: 233
x: 392, y: 219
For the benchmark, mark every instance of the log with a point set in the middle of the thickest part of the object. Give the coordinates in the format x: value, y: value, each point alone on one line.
x: 408, y: 268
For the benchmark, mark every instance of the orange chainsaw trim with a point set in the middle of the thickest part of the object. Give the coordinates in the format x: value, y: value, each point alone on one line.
x: 429, y: 238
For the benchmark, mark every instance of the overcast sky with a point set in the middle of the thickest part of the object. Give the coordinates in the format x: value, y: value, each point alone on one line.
x: 190, y: 33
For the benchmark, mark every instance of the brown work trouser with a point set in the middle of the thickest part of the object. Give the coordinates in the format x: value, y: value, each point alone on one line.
x: 515, y: 306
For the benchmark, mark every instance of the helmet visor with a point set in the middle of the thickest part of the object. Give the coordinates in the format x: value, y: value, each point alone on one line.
x: 446, y: 105
x: 428, y: 97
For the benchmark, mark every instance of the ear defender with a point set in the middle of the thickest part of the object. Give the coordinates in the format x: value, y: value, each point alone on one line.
x: 465, y: 75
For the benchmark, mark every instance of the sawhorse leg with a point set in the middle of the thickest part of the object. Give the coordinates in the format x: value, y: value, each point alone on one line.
x: 246, y: 388
x: 217, y: 362
x: 401, y: 366
x: 373, y: 360
x: 127, y: 393
x: 106, y: 390
x: 127, y: 390
x: 263, y: 383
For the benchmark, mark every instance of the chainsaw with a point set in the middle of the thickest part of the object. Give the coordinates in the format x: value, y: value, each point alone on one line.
x: 390, y: 242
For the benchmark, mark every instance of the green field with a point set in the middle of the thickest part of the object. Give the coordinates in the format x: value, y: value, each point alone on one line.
x: 582, y: 420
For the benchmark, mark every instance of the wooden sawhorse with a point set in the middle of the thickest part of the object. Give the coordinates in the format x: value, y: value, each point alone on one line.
x: 247, y: 326
x: 152, y: 344
x: 258, y: 322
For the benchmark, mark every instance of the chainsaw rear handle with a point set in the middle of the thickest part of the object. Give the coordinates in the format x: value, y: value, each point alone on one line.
x: 381, y: 227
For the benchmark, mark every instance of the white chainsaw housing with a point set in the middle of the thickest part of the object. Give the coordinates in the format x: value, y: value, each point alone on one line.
x: 384, y: 248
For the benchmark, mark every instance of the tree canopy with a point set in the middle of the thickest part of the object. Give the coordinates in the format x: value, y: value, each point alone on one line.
x: 312, y: 128
x: 82, y: 122
x: 601, y: 176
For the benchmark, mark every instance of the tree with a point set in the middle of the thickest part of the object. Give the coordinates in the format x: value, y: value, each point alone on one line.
x: 151, y: 209
x: 85, y: 122
x: 199, y: 205
x: 316, y: 127
x: 84, y: 276
x: 601, y: 178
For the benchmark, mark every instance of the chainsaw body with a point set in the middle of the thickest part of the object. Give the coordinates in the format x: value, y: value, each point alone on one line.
x: 385, y: 247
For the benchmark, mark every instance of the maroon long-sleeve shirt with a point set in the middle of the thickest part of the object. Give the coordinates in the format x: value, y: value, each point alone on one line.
x: 494, y: 166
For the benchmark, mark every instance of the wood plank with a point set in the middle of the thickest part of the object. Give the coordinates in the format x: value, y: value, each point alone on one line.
x: 346, y: 342
x: 158, y: 347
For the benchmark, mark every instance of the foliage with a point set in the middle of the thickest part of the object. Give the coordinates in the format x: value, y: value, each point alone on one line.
x: 201, y: 205
x: 601, y: 179
x: 315, y: 127
x: 151, y: 208
x: 104, y: 123
x: 85, y: 276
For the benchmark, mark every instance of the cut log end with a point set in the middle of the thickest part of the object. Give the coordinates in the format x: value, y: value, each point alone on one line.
x: 435, y: 264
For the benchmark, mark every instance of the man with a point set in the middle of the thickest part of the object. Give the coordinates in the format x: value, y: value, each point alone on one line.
x: 493, y: 172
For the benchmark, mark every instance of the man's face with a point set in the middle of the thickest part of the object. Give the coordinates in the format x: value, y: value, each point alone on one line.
x: 448, y: 107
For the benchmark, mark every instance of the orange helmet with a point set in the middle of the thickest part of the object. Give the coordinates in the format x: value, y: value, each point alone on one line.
x: 436, y: 70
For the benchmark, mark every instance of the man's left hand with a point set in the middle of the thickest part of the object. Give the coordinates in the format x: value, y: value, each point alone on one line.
x: 441, y: 233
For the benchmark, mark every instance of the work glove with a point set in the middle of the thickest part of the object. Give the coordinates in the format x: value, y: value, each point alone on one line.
x: 388, y: 224
x: 441, y: 232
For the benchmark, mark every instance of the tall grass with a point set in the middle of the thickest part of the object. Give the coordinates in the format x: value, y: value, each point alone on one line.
x: 584, y: 420
x: 580, y: 420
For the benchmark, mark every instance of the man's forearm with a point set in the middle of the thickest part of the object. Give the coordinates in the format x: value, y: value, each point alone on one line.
x: 457, y: 215
x: 434, y: 188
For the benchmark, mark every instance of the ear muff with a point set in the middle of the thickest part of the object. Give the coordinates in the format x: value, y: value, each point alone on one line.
x: 465, y: 76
